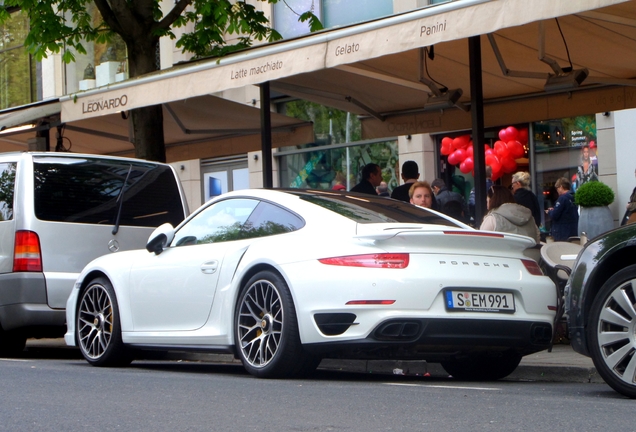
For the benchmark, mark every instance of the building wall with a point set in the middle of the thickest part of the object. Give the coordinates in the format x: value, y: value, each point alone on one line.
x: 625, y: 152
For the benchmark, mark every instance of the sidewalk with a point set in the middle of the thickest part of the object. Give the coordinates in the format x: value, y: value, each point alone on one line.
x: 560, y: 365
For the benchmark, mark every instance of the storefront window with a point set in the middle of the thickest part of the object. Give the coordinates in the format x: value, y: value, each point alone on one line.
x: 17, y: 68
x: 564, y: 148
x: 337, y: 155
x: 102, y: 64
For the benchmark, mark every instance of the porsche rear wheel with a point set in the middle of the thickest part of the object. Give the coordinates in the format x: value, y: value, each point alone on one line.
x: 483, y: 367
x: 97, y: 326
x: 611, y: 332
x: 266, y: 330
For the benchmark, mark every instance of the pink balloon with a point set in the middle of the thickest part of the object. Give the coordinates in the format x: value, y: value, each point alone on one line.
x: 512, y: 133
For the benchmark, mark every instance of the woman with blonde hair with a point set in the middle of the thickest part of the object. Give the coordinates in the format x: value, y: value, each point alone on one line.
x: 524, y: 196
x: 505, y: 215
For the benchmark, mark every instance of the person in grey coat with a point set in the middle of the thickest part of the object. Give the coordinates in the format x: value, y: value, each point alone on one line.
x: 505, y: 215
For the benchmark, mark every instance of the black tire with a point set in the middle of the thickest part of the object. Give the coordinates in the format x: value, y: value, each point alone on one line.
x: 610, y: 332
x: 266, y: 330
x: 11, y: 343
x: 97, y: 326
x: 483, y: 367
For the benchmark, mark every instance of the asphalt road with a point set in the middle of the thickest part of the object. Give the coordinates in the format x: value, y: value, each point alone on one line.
x: 56, y: 391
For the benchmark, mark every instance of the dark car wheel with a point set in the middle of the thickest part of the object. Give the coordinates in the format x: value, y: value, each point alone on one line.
x: 11, y: 343
x: 266, y: 330
x: 611, y: 332
x: 483, y: 367
x: 97, y: 326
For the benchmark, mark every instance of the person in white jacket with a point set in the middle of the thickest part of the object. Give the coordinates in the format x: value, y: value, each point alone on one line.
x: 505, y: 215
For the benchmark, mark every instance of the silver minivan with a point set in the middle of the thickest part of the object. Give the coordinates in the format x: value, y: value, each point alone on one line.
x: 58, y: 211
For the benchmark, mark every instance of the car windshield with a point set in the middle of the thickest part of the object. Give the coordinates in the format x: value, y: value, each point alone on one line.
x: 363, y: 208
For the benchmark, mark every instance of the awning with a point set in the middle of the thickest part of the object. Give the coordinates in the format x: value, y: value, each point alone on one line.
x: 28, y: 114
x: 199, y: 127
x: 377, y: 68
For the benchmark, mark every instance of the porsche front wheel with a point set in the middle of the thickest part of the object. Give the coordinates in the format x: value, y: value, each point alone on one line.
x: 612, y: 329
x: 266, y: 330
x: 97, y: 326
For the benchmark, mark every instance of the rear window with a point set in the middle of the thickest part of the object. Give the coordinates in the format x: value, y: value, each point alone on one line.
x: 363, y: 208
x: 7, y: 187
x: 85, y: 190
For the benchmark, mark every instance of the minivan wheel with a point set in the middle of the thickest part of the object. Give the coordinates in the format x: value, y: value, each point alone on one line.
x: 611, y: 331
x: 266, y: 330
x: 11, y: 343
x: 98, y: 326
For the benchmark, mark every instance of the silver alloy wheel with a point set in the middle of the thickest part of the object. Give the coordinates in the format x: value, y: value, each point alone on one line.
x: 616, y: 332
x: 95, y: 321
x: 260, y: 323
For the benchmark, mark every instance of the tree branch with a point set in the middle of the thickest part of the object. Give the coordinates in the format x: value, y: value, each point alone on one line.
x: 175, y: 13
x: 109, y: 16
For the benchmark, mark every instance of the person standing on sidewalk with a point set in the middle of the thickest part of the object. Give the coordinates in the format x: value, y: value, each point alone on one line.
x: 564, y: 214
x: 524, y: 196
x: 371, y: 178
x: 410, y: 173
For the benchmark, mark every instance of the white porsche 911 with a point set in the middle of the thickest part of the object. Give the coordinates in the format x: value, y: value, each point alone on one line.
x: 284, y: 278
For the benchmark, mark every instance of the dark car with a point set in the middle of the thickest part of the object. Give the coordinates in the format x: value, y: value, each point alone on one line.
x: 600, y: 301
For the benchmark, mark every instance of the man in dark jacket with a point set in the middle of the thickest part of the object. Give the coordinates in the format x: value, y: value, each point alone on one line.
x: 443, y: 195
x: 565, y: 214
x: 371, y: 178
x: 410, y: 173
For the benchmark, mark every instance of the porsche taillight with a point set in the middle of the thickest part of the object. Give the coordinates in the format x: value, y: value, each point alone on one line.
x: 532, y: 267
x: 382, y: 260
x: 27, y: 255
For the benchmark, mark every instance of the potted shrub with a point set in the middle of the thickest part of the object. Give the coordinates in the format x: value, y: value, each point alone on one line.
x: 594, y: 198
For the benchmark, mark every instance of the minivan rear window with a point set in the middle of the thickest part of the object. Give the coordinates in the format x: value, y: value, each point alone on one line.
x: 7, y: 187
x: 85, y: 190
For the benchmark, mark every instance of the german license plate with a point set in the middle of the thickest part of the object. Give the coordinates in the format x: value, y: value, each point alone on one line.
x: 472, y: 301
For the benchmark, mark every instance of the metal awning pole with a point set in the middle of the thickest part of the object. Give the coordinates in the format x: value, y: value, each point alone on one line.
x: 266, y: 136
x: 477, y: 114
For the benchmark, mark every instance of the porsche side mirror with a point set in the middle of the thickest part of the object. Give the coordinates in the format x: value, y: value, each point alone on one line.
x: 160, y: 238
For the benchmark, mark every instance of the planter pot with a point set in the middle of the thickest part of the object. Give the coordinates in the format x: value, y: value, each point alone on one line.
x: 594, y: 221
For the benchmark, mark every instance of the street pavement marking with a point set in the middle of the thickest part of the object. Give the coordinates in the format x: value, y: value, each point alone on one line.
x: 445, y: 386
x: 15, y: 360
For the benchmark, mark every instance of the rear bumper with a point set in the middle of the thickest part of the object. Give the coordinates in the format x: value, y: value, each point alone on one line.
x: 441, y: 339
x: 23, y: 303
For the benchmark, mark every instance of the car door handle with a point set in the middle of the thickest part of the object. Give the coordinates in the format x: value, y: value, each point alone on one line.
x: 209, y: 267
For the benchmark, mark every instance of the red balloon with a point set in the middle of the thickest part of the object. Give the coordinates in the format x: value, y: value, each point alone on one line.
x: 489, y: 152
x: 463, y: 168
x: 509, y: 165
x: 487, y: 147
x: 447, y: 141
x: 512, y: 133
x: 502, y: 149
x: 470, y: 164
x: 457, y: 157
x: 503, y: 135
x: 446, y: 149
x: 493, y: 162
x: 523, y: 136
x: 461, y: 142
x: 496, y: 174
x: 516, y: 149
x: 469, y: 151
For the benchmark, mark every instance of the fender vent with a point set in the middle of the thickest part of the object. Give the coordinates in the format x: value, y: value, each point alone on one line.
x: 333, y: 324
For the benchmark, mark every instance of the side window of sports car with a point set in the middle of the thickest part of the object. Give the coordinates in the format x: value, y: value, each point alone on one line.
x: 269, y: 219
x: 222, y: 221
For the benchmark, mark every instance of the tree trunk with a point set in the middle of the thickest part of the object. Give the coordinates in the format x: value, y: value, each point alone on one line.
x: 147, y: 122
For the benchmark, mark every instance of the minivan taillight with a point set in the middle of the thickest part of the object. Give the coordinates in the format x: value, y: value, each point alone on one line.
x: 27, y: 256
